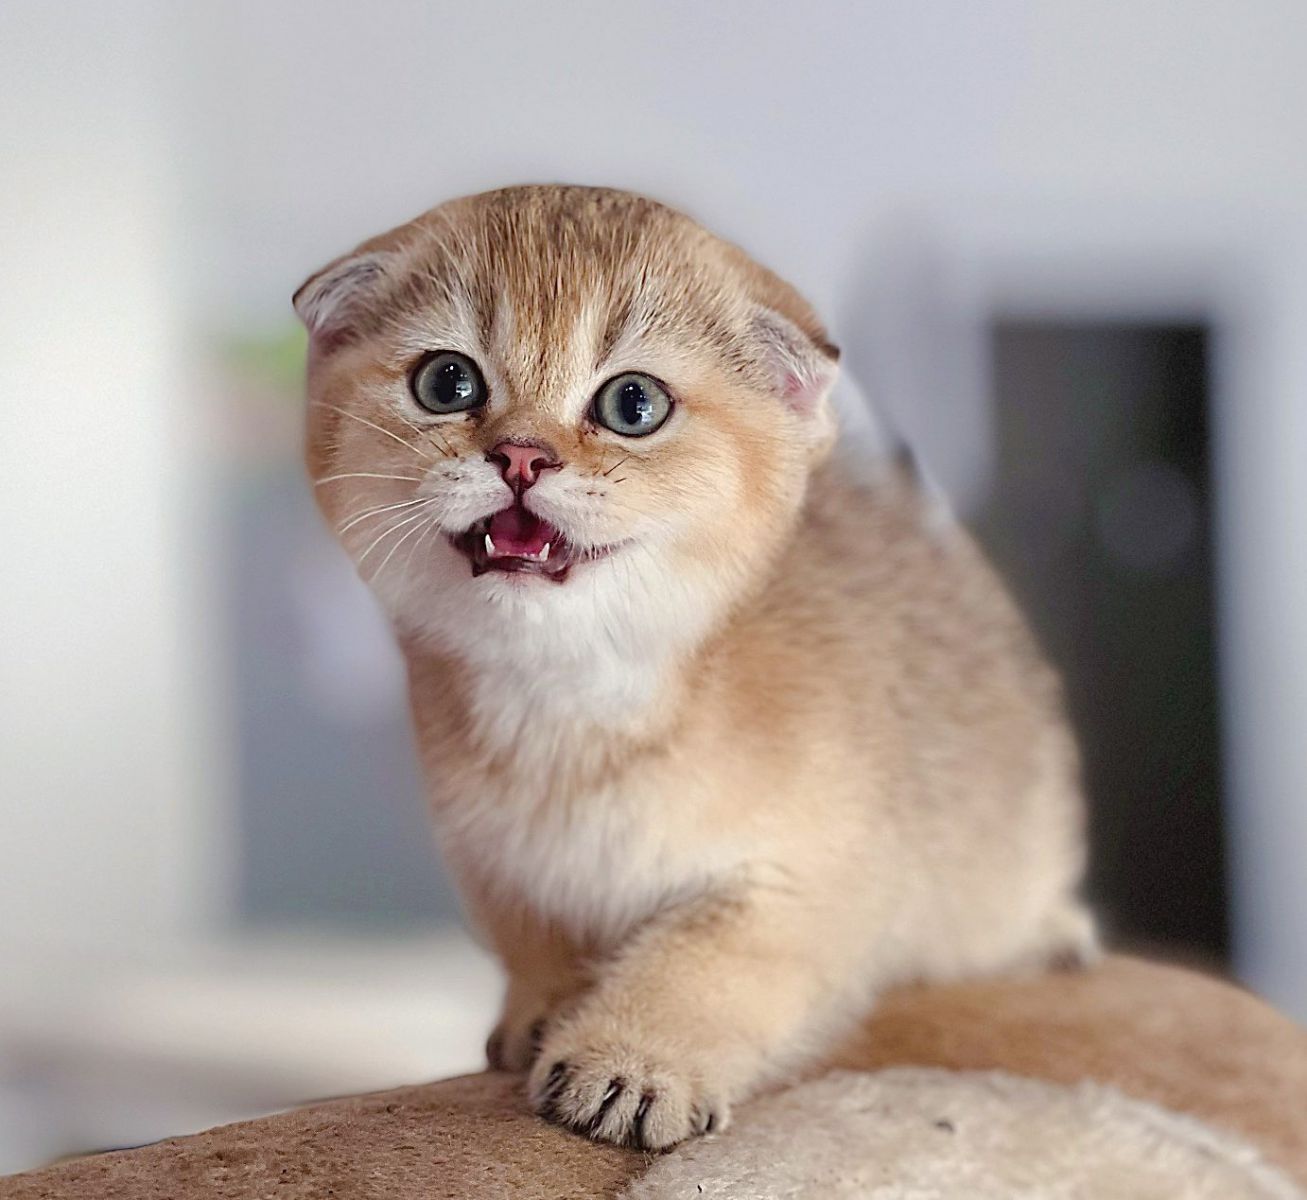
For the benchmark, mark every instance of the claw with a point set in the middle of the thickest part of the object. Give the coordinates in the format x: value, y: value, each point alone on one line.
x: 615, y: 1088
x: 554, y: 1083
x: 637, y: 1125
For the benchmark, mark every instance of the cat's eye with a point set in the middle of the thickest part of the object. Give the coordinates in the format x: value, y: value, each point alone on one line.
x: 632, y: 405
x: 447, y: 382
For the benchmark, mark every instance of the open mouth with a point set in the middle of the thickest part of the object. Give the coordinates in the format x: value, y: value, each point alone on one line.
x: 517, y: 540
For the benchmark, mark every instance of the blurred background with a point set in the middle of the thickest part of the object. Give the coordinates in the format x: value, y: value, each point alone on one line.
x: 1064, y: 247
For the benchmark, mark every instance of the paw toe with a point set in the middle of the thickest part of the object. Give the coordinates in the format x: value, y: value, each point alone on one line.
x: 513, y: 1046
x: 649, y: 1109
x: 495, y: 1051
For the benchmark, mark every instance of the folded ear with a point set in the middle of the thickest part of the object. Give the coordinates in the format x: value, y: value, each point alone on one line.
x: 803, y: 368
x: 335, y: 302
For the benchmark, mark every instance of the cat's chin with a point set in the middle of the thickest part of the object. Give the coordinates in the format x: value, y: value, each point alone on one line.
x: 516, y: 541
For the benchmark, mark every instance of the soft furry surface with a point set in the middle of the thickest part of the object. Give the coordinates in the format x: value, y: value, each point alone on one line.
x: 911, y: 1133
x: 1169, y: 1038
x: 1180, y: 1039
x: 462, y: 1139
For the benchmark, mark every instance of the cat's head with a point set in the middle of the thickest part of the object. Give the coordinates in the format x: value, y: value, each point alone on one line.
x: 570, y: 412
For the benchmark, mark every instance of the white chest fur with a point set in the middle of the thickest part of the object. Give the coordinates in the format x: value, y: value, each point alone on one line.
x: 598, y: 859
x: 595, y: 864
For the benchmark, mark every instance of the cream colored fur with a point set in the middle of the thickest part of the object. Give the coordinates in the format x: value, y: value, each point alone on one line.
x: 913, y: 1134
x: 786, y: 744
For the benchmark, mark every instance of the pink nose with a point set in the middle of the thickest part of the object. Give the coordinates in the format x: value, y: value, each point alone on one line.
x: 522, y: 462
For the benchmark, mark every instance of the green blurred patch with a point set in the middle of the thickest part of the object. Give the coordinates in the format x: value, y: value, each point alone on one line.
x: 272, y: 359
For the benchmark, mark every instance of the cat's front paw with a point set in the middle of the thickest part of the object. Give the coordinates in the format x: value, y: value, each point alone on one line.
x: 624, y: 1088
x: 515, y: 1041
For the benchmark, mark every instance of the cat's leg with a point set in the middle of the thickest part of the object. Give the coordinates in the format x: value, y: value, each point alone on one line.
x: 1067, y: 939
x: 529, y: 1002
x: 545, y: 972
x: 690, y: 1016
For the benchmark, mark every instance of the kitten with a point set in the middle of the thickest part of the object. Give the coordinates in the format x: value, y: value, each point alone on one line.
x: 719, y: 742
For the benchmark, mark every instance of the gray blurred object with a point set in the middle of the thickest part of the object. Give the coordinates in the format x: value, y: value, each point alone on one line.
x: 333, y: 822
x: 1100, y: 517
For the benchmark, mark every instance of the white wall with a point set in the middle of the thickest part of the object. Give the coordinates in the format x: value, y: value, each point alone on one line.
x: 1262, y: 535
x: 902, y: 162
x: 807, y: 131
x: 1014, y: 144
x: 108, y: 825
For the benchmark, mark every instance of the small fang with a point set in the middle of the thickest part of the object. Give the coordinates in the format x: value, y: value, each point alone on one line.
x: 490, y: 546
x: 544, y: 553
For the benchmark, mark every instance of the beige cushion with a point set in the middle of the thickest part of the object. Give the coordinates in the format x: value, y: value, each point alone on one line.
x: 912, y: 1132
x: 1163, y: 1035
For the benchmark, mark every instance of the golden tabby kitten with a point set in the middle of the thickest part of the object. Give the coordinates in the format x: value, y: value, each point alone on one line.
x: 719, y: 742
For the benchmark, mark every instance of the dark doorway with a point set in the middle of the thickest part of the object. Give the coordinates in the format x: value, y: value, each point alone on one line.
x: 1100, y: 518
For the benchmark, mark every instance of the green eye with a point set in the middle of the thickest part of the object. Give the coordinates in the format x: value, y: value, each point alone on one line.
x: 632, y: 405
x: 446, y: 382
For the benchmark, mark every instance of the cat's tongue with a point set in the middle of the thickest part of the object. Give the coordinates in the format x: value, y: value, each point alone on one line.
x: 516, y: 533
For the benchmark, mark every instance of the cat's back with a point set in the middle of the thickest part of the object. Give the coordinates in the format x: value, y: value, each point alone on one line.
x: 884, y: 603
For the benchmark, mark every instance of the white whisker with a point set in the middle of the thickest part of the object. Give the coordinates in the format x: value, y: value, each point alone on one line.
x: 365, y: 475
x: 445, y: 448
x: 408, y: 562
x: 391, y: 552
x: 444, y: 442
x: 380, y: 508
x: 344, y: 412
x: 393, y: 527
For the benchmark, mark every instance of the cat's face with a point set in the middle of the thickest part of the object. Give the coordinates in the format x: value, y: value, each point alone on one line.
x: 560, y: 412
